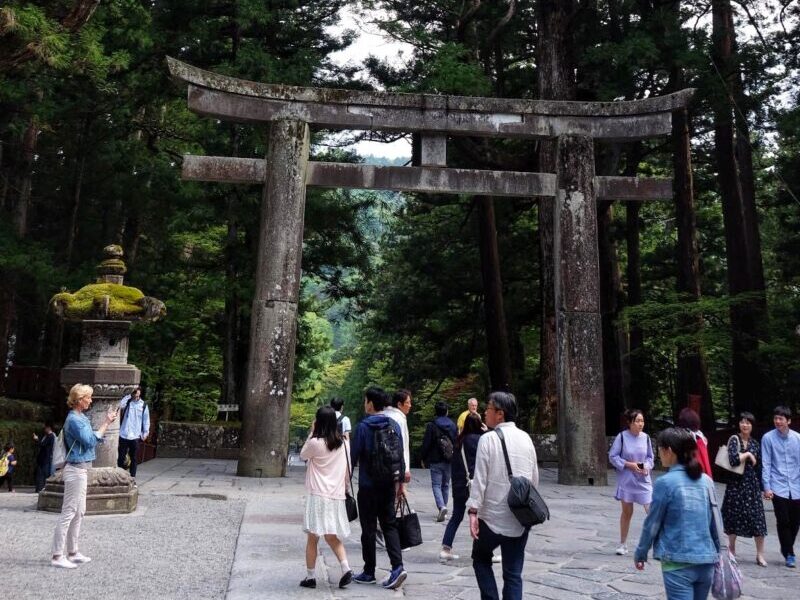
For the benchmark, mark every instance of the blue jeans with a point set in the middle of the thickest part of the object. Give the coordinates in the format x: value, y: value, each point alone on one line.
x: 440, y: 482
x: 689, y: 583
x: 513, y: 550
x: 459, y: 508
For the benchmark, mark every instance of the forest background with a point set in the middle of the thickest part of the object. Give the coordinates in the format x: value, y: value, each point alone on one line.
x: 443, y: 295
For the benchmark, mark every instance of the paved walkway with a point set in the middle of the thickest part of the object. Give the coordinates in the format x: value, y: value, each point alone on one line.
x: 202, y: 532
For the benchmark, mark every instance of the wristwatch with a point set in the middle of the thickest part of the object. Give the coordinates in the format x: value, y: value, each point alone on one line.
x: 473, y: 511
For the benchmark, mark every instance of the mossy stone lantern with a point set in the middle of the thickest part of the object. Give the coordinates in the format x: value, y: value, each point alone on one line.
x: 105, y: 309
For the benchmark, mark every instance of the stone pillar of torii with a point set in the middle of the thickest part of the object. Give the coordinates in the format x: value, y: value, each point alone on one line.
x: 286, y: 171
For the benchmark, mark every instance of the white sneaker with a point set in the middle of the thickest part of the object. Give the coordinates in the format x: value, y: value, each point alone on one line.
x: 63, y: 563
x: 622, y: 550
x: 497, y: 558
x: 445, y: 555
x: 78, y: 558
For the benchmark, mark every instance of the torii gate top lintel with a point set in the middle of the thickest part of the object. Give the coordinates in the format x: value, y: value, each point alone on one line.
x: 235, y: 99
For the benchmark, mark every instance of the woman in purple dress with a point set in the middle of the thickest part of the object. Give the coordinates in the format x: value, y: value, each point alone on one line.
x: 631, y: 455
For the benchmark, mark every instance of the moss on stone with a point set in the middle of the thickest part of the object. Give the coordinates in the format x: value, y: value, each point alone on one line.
x: 124, y: 302
x: 113, y: 265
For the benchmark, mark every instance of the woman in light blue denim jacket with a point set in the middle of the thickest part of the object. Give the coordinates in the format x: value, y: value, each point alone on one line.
x: 80, y: 443
x: 680, y: 525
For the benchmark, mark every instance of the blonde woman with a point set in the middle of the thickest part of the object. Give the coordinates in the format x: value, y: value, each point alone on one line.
x: 80, y: 441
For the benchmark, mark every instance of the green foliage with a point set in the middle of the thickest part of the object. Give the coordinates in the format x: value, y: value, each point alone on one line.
x: 314, y: 337
x: 452, y: 71
x: 20, y: 433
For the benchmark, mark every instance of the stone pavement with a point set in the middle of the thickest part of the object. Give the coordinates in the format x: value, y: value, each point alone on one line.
x: 202, y: 532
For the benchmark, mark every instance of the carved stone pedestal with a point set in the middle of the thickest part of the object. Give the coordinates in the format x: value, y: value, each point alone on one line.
x: 110, y: 491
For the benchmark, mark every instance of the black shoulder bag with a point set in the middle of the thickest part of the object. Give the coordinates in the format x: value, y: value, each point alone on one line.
x: 523, y: 499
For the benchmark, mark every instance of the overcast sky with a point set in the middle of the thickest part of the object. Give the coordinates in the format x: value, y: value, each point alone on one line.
x: 371, y: 42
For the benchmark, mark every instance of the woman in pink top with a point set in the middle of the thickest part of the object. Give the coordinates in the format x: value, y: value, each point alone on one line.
x: 326, y: 481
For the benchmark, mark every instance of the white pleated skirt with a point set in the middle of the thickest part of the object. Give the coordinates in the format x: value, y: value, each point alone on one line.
x: 326, y: 516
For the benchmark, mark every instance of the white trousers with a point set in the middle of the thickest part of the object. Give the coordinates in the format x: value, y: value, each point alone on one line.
x: 72, y: 510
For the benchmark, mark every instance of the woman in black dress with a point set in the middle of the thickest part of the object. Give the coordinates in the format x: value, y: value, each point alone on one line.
x: 742, y: 508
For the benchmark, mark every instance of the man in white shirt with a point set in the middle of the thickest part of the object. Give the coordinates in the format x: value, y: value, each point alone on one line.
x: 342, y: 421
x: 134, y: 425
x: 491, y: 521
x: 398, y: 412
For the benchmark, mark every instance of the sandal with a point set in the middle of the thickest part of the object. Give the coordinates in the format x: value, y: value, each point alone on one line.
x: 761, y: 562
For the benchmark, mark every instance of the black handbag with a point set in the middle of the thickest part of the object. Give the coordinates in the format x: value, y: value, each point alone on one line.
x: 350, y: 503
x: 408, y: 526
x: 523, y: 499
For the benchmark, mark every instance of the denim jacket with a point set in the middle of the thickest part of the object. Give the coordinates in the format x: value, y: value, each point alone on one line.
x: 79, y: 437
x: 680, y: 526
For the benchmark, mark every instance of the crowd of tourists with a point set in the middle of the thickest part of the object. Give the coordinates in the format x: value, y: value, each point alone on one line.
x: 683, y: 525
x: 479, y: 461
x: 462, y: 460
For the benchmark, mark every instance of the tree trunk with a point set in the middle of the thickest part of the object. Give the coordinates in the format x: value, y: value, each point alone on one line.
x: 230, y: 338
x: 748, y: 314
x: 610, y: 291
x: 23, y: 177
x: 498, y: 353
x: 72, y: 232
x: 692, y: 375
x: 556, y: 82
x: 637, y: 384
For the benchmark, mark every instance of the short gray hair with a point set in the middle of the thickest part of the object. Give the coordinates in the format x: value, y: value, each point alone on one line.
x: 506, y: 402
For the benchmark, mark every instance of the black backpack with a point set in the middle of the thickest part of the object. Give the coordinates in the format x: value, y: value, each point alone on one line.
x: 386, y: 459
x: 445, y: 444
x: 339, y: 425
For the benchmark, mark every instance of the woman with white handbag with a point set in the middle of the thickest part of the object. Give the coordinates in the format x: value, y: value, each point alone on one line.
x: 742, y: 507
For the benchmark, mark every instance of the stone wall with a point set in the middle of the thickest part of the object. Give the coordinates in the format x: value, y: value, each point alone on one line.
x: 198, y: 440
x: 546, y: 445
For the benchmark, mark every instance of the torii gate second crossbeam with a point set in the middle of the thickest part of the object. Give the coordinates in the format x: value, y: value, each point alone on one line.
x: 286, y: 171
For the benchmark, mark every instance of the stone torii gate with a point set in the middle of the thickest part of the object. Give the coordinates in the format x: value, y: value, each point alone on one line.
x: 286, y: 171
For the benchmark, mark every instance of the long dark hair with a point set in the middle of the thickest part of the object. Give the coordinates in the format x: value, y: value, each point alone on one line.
x: 683, y: 444
x: 472, y: 424
x: 325, y: 428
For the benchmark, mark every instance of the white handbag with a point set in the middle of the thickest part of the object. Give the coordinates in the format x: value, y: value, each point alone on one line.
x: 722, y: 458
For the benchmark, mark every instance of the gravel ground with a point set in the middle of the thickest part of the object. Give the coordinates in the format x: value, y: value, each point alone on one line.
x: 172, y: 547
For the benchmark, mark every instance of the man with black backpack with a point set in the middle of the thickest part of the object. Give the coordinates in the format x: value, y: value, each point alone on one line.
x: 437, y: 451
x: 377, y: 449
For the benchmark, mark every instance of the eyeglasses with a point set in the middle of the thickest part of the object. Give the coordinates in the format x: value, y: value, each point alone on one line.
x: 490, y: 407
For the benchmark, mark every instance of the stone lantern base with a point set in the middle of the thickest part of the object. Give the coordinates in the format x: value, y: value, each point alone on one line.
x: 110, y: 491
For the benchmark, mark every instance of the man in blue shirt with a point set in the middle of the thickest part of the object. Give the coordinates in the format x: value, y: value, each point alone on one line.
x: 134, y: 426
x: 780, y: 462
x: 434, y: 446
x: 376, y: 498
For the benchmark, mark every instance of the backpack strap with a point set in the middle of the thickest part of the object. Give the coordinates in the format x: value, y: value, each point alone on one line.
x: 505, y: 453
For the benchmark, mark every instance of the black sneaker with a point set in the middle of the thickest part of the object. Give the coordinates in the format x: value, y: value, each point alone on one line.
x: 346, y: 579
x: 395, y: 579
x: 309, y: 582
x: 365, y: 578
